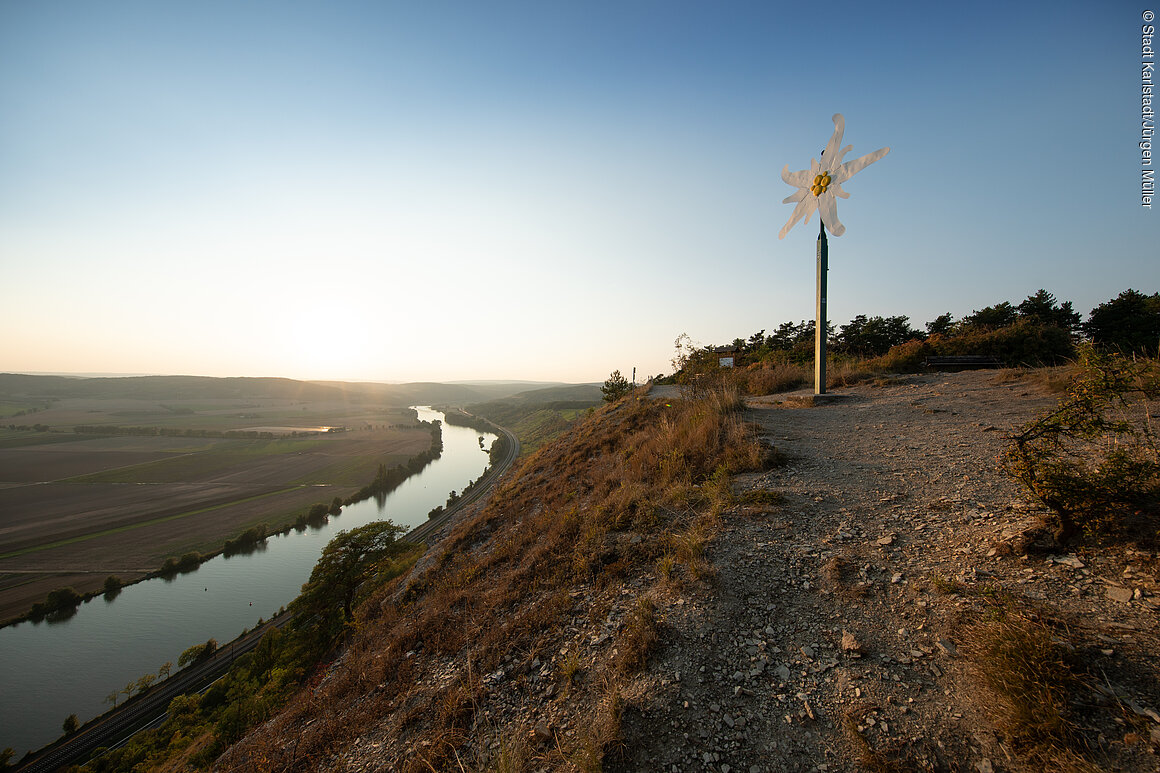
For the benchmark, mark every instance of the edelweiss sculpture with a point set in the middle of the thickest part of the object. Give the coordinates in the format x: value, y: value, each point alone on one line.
x: 819, y: 185
x: 817, y: 189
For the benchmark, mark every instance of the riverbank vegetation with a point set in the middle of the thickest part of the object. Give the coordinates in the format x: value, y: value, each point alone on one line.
x: 61, y: 603
x: 200, y: 726
x: 244, y: 486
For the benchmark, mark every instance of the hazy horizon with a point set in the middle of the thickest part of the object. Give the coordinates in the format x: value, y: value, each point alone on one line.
x: 450, y: 190
x: 468, y: 381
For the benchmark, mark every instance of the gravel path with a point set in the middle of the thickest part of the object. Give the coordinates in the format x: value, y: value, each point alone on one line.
x: 825, y: 632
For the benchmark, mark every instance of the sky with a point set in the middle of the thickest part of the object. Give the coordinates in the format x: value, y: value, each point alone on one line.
x: 518, y: 189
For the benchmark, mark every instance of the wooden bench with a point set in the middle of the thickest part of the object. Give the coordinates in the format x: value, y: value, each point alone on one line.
x: 963, y: 361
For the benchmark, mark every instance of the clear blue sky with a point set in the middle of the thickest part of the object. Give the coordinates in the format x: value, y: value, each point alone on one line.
x: 435, y: 190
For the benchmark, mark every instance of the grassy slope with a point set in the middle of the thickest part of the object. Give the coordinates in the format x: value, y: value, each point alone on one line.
x: 540, y: 416
x: 587, y: 529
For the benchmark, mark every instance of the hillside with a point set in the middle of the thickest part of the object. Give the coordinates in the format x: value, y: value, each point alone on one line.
x: 540, y: 415
x: 660, y: 589
x: 16, y: 388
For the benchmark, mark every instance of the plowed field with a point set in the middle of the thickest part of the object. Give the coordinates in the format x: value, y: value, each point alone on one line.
x: 75, y: 509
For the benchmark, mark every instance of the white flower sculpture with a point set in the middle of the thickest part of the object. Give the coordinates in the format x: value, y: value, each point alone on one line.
x: 822, y: 182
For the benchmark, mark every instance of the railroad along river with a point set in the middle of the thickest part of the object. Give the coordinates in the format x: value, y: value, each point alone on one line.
x: 51, y: 670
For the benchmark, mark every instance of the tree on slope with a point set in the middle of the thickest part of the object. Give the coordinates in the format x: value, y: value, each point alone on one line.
x: 347, y: 562
x: 615, y: 387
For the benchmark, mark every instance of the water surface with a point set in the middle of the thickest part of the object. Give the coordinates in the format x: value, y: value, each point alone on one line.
x: 51, y: 670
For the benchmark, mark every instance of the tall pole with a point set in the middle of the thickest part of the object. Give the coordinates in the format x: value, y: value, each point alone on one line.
x: 820, y: 327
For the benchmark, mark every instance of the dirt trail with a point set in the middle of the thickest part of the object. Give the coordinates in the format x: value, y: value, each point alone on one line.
x: 825, y: 624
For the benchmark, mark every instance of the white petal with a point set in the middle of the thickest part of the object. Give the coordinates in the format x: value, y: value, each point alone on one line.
x: 802, y: 179
x: 851, y: 168
x: 832, y: 147
x: 838, y: 158
x: 828, y: 208
x: 836, y: 189
x: 805, y: 208
x: 796, y: 196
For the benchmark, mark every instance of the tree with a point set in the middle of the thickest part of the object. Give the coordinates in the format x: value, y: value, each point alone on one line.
x: 942, y: 325
x: 992, y: 317
x: 346, y: 563
x: 1129, y: 323
x: 62, y: 599
x: 197, y: 653
x: 71, y: 723
x: 166, y: 667
x: 873, y: 337
x: 1042, y: 309
x: 615, y: 387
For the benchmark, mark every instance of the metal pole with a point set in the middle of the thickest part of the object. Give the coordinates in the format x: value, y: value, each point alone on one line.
x: 820, y: 327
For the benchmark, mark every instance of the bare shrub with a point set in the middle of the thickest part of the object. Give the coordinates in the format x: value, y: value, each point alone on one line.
x: 1094, y: 460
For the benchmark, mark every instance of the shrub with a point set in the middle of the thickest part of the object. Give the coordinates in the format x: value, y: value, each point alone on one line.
x: 1094, y: 460
x: 1024, y: 343
x: 615, y: 387
x: 189, y: 562
x: 62, y: 599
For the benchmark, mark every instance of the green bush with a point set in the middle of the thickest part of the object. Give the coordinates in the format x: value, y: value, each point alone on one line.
x: 189, y: 562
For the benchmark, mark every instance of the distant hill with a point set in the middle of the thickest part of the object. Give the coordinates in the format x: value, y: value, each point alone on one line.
x: 204, y: 387
x: 540, y: 415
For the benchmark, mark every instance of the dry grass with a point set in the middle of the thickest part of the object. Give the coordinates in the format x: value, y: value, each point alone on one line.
x: 1053, y: 379
x: 769, y: 379
x: 1033, y: 690
x: 640, y: 637
x: 945, y: 586
x: 636, y: 487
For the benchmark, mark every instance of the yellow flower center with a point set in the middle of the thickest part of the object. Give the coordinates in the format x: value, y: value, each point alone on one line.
x: 821, y: 182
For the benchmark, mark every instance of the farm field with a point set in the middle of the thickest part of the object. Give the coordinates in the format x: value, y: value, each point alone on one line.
x: 78, y: 507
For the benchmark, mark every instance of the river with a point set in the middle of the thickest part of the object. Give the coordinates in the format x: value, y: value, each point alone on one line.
x: 51, y: 670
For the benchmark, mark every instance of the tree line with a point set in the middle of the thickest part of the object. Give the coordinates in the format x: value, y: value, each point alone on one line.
x: 1038, y: 330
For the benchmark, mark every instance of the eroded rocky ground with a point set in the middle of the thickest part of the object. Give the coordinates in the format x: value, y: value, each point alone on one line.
x: 830, y: 638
